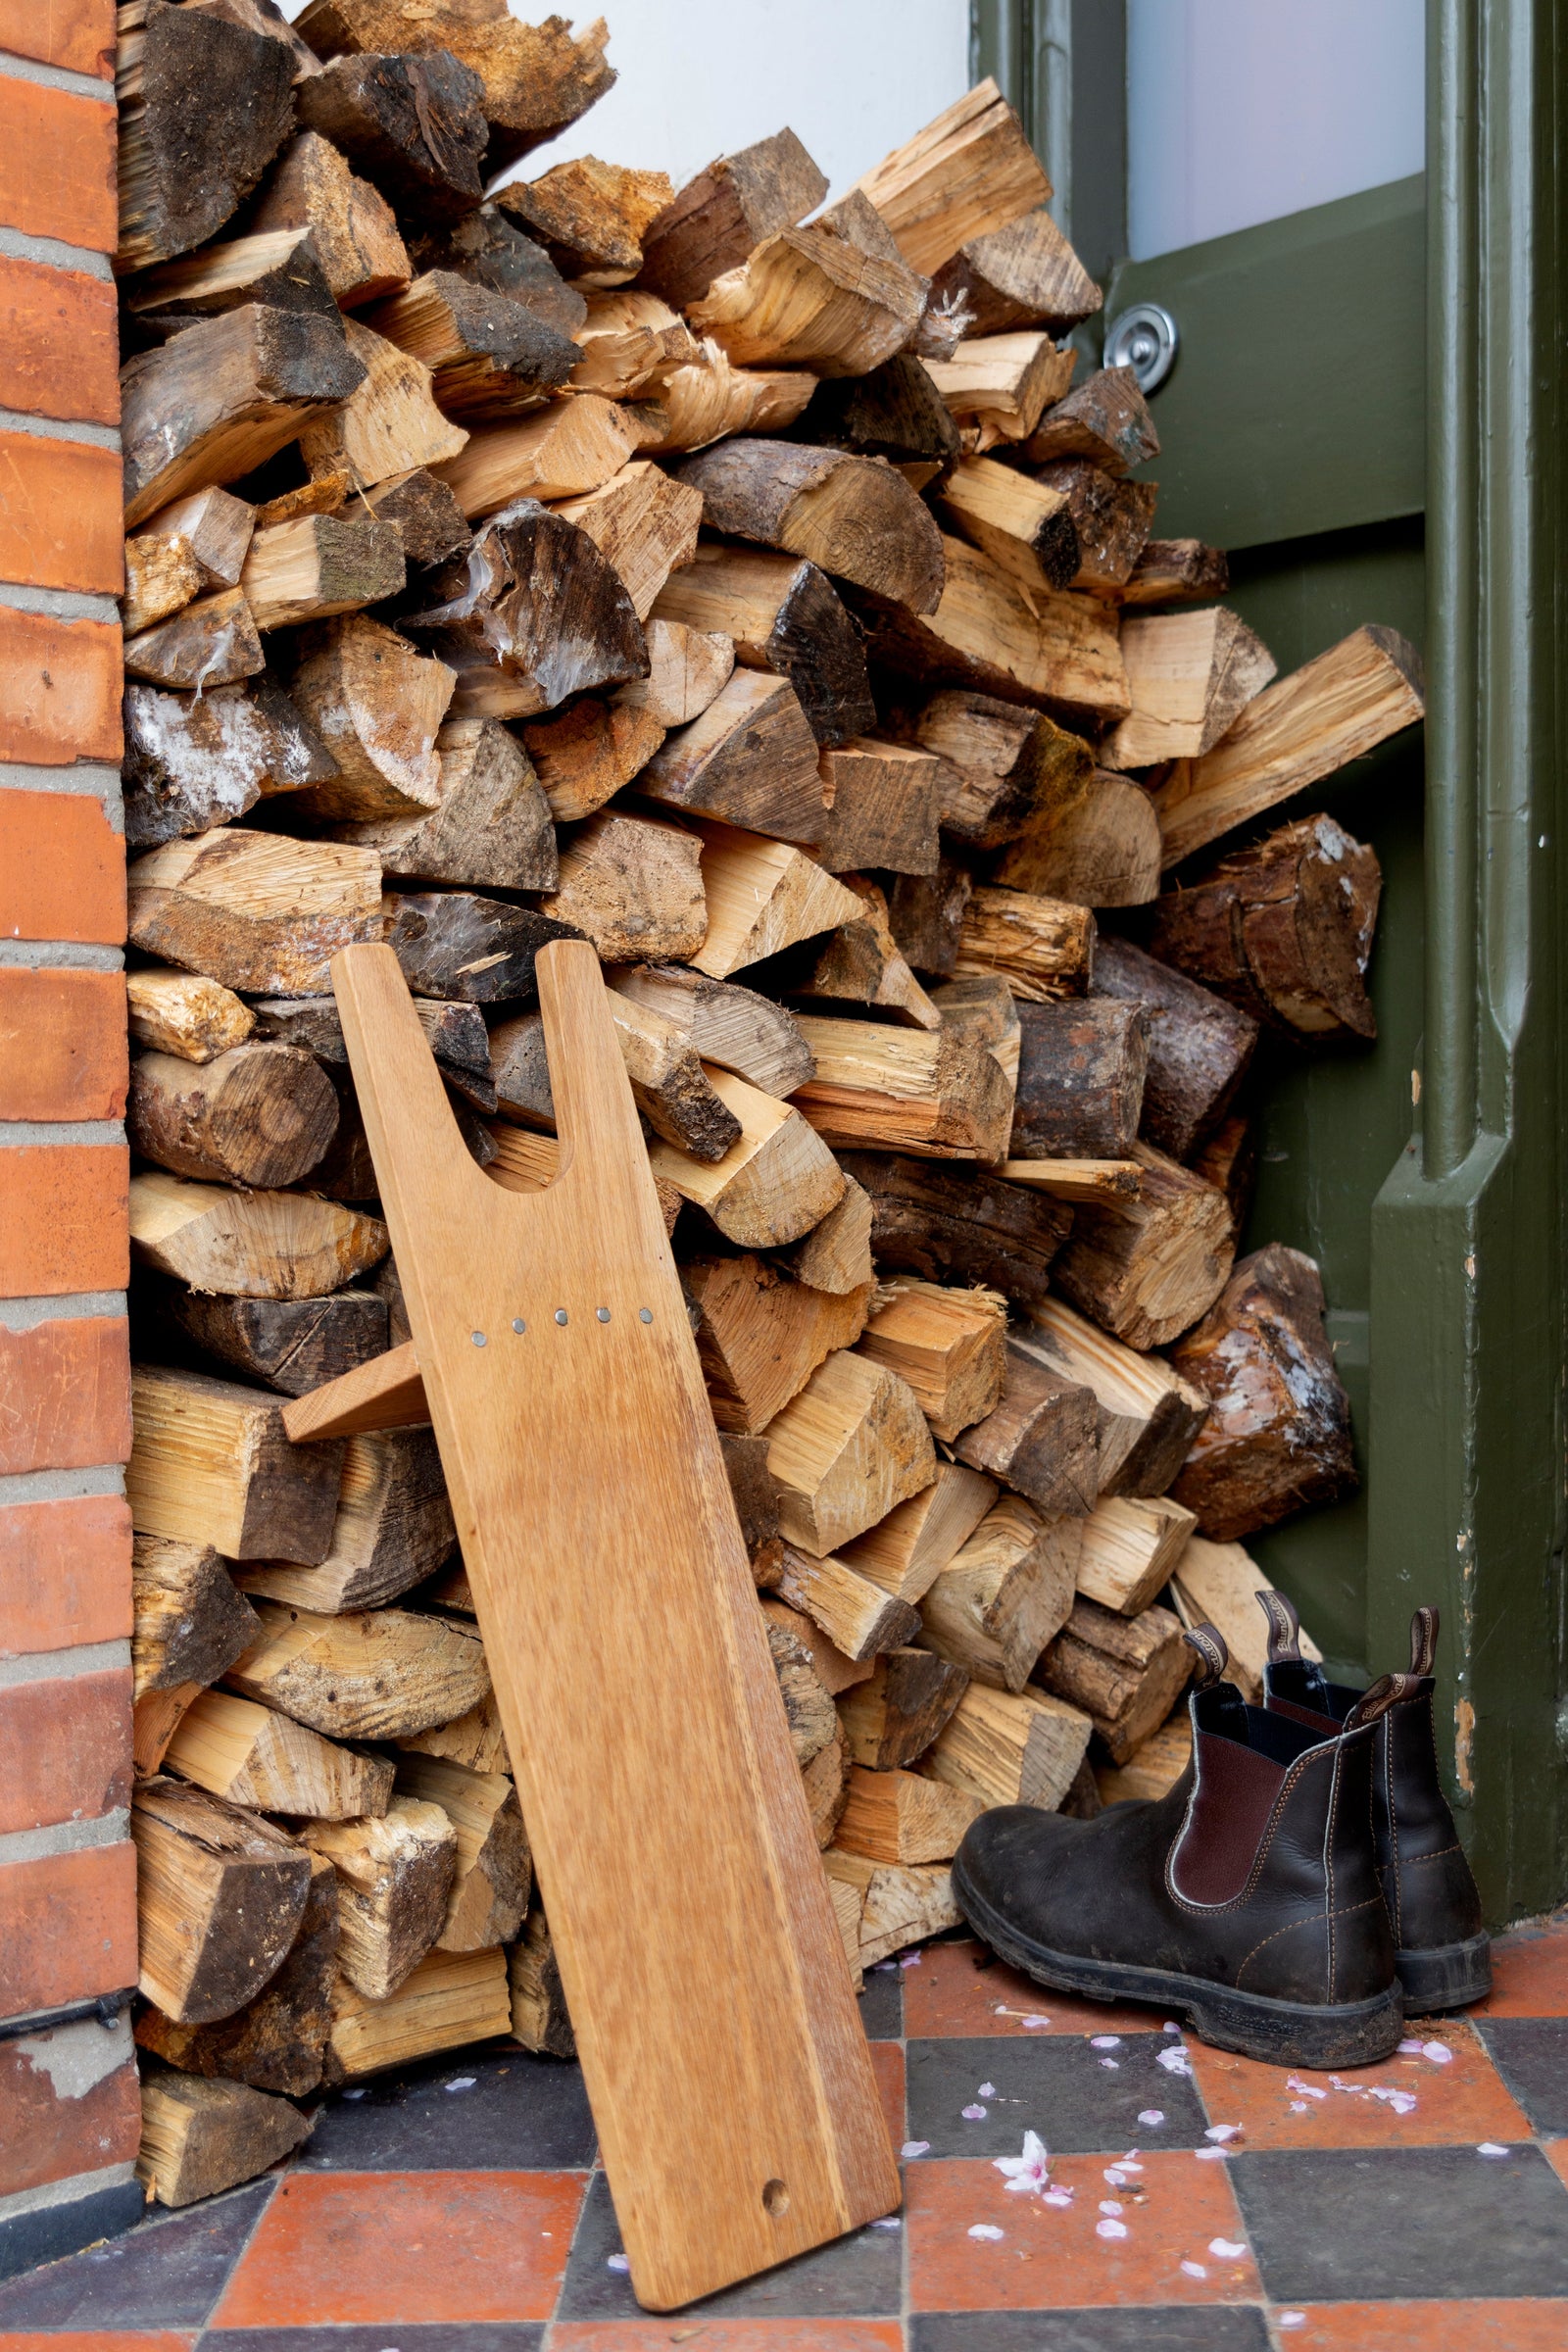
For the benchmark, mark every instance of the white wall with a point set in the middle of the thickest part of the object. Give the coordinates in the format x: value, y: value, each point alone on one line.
x: 852, y: 78
x: 1240, y: 111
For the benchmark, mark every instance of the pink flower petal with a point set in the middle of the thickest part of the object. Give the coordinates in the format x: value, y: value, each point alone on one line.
x: 1057, y: 2196
x: 1411, y: 2049
x: 1209, y: 2155
x: 974, y: 2115
x: 985, y: 2229
x: 1104, y: 2041
x: 1174, y: 2060
x: 1223, y: 2131
x: 1490, y: 2147
x: 1292, y: 2319
x: 617, y: 2262
x: 1033, y: 2022
x: 1111, y: 2228
x: 915, y: 2147
x: 987, y: 2090
x: 1226, y: 2249
x: 1154, y: 2117
x: 1438, y: 2052
x: 1110, y: 2205
x: 1195, y: 2270
x: 909, y: 1960
x: 1114, y: 2064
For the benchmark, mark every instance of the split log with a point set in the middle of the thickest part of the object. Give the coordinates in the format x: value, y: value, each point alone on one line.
x: 941, y: 1223
x: 667, y: 1080
x: 949, y: 1344
x: 1200, y: 1048
x: 583, y: 754
x: 635, y: 887
x: 896, y: 1715
x: 278, y: 2040
x: 643, y: 525
x: 1025, y: 275
x: 901, y: 1817
x: 1284, y: 930
x: 491, y: 827
x: 190, y: 1622
x: 1011, y: 1748
x: 450, y: 1999
x: 783, y: 614
x: 1190, y: 675
x: 735, y: 1027
x: 855, y: 518
x: 986, y: 634
x: 1075, y: 1180
x: 826, y: 1782
x: 530, y: 615
x: 1040, y: 1441
x: 393, y: 1876
x: 424, y: 512
x: 1219, y: 1585
x: 630, y: 345
x: 373, y: 1674
x: 1130, y: 1551
x: 1044, y: 948
x: 260, y: 1115
x: 749, y: 760
x: 289, y: 1344
x: 213, y: 524
x: 808, y: 1708
x: 1102, y: 849
x: 211, y: 643
x: 762, y: 896
x: 1301, y: 728
x: 762, y: 1335
x: 850, y: 1446
x: 1104, y: 419
x: 884, y: 809
x: 836, y: 1255
x: 1147, y: 1268
x: 320, y: 564
x: 1277, y: 1438
x: 388, y: 425
x: 251, y: 1756
x: 353, y: 227
x: 1020, y: 524
x: 491, y: 250
x: 985, y: 1011
x: 278, y: 268
x: 489, y: 1897
x: 411, y: 124
x: 830, y: 1668
x: 187, y: 1015
x: 861, y: 1619
x: 254, y: 911
x: 204, y: 107
x: 488, y: 356
x: 895, y: 412
x: 1002, y: 384
x: 967, y: 172
x: 221, y: 1897
x: 1081, y: 1073
x: 755, y: 1497
x: 458, y: 945
x: 707, y: 399
x: 572, y: 447
x: 813, y: 298
x: 211, y: 1463
x: 925, y: 913
x: 772, y: 1186
x: 475, y: 1741
x: 590, y: 217
x: 1176, y: 571
x: 1228, y: 1162
x: 1005, y: 1594
x: 393, y: 1528
x: 899, y: 1906
x: 860, y: 964
x: 905, y: 1552
x: 220, y: 400
x: 686, y: 669
x: 161, y: 575
x: 539, y: 2017
x: 1125, y: 1673
x: 935, y: 1095
x: 250, y: 1245
x: 1153, y: 1769
x: 155, y: 1718
x: 196, y: 761
x: 199, y: 2138
x: 718, y: 219
x: 1111, y: 518
x: 1147, y: 1414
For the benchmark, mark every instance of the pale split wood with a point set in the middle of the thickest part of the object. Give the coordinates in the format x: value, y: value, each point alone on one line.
x: 905, y: 1552
x: 969, y: 170
x: 902, y: 1817
x: 1074, y: 1179
x: 450, y: 1998
x: 1131, y: 1547
x: 900, y: 1904
x: 1009, y: 1748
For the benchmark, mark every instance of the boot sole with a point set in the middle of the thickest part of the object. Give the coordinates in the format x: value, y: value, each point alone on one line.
x: 1282, y: 2033
x: 1445, y: 1976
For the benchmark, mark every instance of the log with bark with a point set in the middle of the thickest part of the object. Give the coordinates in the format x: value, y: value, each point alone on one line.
x: 1200, y: 1048
x: 1007, y: 1594
x: 1124, y: 1672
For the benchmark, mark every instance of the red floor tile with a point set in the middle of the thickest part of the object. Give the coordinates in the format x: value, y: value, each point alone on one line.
x: 887, y: 2062
x: 1464, y: 2100
x: 947, y: 1994
x: 1556, y: 2151
x: 1504, y: 2327
x: 1051, y: 2258
x: 727, y: 2335
x: 1529, y: 1973
x: 389, y: 2247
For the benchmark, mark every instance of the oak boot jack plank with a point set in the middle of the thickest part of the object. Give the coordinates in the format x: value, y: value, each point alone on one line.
x: 901, y: 1817
x: 860, y: 1618
x: 256, y: 911
x: 925, y: 1092
x: 258, y: 1115
x: 1001, y: 384
x: 450, y: 1998
x: 1147, y: 1268
x: 1147, y: 1414
x: 968, y: 171
x: 782, y: 614
x: 1025, y: 275
x: 352, y: 225
x: 221, y: 1895
x: 1009, y: 1748
x: 1124, y: 1672
x: 376, y: 1673
x: 539, y: 2015
x: 1131, y: 1548
x: 1007, y: 1594
x: 1200, y: 1048
x: 210, y: 1464
x: 1082, y: 1074
x: 762, y: 1335
x: 893, y: 1717
x: 491, y: 828
x: 1102, y: 849
x: 205, y: 106
x: 200, y: 2137
x: 1189, y: 674
x: 394, y: 1522
x: 254, y: 1758
x: 644, y: 525
x: 1220, y: 1585
x: 848, y: 1446
x: 936, y: 1221
x: 855, y: 517
x: 278, y: 2040
x: 592, y: 1248
x: 190, y: 1622
x: 1044, y: 948
x: 949, y: 1344
x: 250, y: 1245
x: 718, y: 219
x: 905, y: 1552
x: 1040, y: 1439
x: 395, y: 1876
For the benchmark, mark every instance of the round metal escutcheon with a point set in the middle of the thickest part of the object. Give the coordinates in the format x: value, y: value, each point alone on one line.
x: 1143, y: 338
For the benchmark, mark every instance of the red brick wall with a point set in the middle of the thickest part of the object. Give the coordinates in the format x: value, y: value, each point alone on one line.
x: 69, y: 2109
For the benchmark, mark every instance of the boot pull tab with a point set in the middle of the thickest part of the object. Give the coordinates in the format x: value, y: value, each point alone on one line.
x: 1423, y: 1641
x: 1212, y: 1655
x: 1386, y: 1693
x: 1284, y: 1627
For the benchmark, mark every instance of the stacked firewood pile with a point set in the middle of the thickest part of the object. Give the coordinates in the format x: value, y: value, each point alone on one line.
x: 749, y: 589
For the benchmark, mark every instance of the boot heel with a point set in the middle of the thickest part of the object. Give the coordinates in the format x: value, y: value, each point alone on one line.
x: 1294, y: 2033
x: 1445, y: 1976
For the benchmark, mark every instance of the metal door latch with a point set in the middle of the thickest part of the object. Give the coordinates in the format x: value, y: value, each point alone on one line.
x: 1143, y: 338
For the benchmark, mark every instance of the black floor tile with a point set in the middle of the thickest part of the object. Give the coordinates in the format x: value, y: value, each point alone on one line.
x: 522, y: 2114
x: 1160, y: 2327
x: 388, y: 2335
x: 858, y: 2277
x: 1363, y: 2226
x: 163, y: 2274
x: 51, y: 2232
x: 1054, y: 2085
x: 1531, y: 2054
x: 882, y: 2004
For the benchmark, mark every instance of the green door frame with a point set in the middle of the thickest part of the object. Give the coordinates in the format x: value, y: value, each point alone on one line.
x: 1469, y: 1328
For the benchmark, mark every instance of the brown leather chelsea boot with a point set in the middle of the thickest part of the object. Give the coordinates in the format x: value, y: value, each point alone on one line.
x: 1247, y: 1897
x: 1441, y: 1951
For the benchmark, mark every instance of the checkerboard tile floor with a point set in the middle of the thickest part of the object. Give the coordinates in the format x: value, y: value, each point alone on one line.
x: 1422, y: 2203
